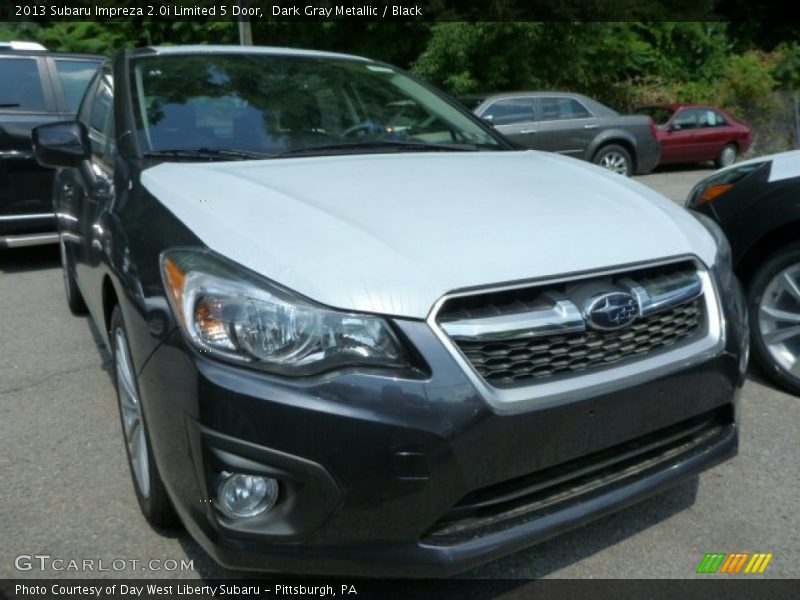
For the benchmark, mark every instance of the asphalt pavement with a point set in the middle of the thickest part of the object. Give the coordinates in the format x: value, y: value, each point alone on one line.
x: 65, y: 490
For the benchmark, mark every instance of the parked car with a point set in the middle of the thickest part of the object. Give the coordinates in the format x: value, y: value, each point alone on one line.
x: 574, y: 125
x: 693, y: 133
x: 37, y: 87
x: 14, y: 45
x: 757, y: 204
x: 353, y: 331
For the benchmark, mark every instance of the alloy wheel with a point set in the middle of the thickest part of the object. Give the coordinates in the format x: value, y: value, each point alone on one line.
x: 133, y: 427
x: 779, y: 319
x: 614, y: 161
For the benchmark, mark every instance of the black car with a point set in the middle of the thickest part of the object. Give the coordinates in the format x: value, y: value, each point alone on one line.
x: 574, y: 125
x: 354, y: 331
x: 36, y: 87
x: 757, y: 204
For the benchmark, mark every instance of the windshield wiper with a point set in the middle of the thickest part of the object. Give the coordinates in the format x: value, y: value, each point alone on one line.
x: 208, y: 153
x: 378, y: 145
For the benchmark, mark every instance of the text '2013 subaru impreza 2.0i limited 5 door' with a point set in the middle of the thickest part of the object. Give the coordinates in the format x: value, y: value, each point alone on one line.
x: 354, y: 332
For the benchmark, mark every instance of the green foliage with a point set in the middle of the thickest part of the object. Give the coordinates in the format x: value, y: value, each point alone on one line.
x: 744, y: 85
x: 621, y: 63
x: 594, y: 57
x: 19, y: 31
x: 787, y: 67
x: 475, y: 57
x: 681, y: 50
x: 747, y: 82
x: 90, y: 37
x: 608, y: 60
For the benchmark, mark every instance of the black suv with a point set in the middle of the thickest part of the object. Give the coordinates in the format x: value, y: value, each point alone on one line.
x: 37, y: 87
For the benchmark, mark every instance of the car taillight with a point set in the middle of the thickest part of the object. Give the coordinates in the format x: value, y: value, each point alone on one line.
x: 653, y: 129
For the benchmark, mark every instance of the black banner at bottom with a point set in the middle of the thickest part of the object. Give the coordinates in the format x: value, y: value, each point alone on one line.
x: 365, y: 589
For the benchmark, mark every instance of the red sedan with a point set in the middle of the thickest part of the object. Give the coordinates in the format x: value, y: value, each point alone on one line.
x: 692, y: 132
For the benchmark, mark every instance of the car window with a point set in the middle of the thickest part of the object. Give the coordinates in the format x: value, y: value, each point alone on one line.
x: 711, y: 118
x: 86, y: 103
x: 687, y: 119
x: 556, y: 109
x: 75, y: 76
x: 100, y: 121
x: 273, y: 104
x: 20, y: 85
x: 510, y: 111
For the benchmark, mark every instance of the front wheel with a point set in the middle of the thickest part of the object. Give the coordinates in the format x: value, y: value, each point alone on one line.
x: 614, y: 158
x: 147, y: 483
x: 774, y: 307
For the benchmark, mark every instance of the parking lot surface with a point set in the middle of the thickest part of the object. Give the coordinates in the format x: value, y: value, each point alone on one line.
x: 66, y: 491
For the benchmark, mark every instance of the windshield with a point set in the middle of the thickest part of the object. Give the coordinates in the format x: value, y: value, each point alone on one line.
x: 660, y: 114
x: 275, y: 105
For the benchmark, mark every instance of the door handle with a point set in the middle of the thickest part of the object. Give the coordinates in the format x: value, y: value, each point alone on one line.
x: 527, y: 131
x: 590, y: 126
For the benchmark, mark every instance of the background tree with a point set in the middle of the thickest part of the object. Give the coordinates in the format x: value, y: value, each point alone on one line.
x: 620, y: 63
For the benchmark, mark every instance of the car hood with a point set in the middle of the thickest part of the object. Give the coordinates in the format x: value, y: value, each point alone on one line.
x: 392, y: 233
x: 785, y: 165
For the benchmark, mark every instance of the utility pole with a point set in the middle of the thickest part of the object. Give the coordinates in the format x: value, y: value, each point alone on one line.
x: 245, y: 30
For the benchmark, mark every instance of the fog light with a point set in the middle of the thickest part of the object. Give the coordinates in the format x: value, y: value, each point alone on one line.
x: 240, y: 495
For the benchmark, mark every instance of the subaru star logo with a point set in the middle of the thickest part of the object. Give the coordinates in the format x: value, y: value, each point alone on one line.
x: 611, y: 310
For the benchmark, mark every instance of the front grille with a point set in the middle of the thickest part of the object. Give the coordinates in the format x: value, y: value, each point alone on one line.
x: 511, y: 503
x: 525, y: 336
x: 514, y: 361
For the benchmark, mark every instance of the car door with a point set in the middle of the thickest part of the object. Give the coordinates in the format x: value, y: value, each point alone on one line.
x: 26, y: 100
x: 514, y: 118
x: 679, y: 143
x: 712, y: 133
x: 92, y: 185
x: 565, y: 125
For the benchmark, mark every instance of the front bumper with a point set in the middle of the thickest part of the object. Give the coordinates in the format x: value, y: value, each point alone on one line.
x: 383, y: 475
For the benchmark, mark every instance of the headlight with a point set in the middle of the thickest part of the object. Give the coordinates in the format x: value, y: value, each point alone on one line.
x: 235, y: 315
x: 723, y: 262
x: 715, y: 186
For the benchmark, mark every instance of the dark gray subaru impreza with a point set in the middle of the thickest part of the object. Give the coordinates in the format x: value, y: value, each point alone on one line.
x: 355, y: 332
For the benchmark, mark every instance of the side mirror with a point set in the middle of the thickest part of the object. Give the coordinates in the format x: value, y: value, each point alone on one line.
x: 63, y: 144
x: 488, y: 120
x: 673, y: 127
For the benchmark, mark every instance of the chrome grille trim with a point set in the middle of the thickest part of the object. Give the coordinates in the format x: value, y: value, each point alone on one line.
x: 563, y: 317
x: 663, y: 293
x: 543, y: 394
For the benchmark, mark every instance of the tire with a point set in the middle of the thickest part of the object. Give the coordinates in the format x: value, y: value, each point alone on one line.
x: 614, y: 158
x: 150, y: 491
x: 75, y: 301
x: 773, y: 304
x: 726, y: 156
